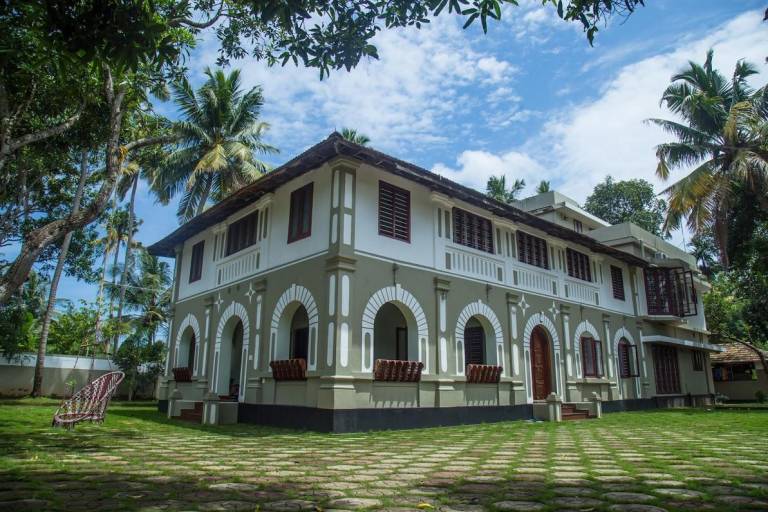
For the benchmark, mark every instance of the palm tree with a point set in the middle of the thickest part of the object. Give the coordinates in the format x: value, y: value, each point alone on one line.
x: 218, y: 138
x: 543, y: 187
x: 353, y: 135
x: 496, y: 188
x: 116, y: 232
x: 148, y: 294
x: 724, y: 136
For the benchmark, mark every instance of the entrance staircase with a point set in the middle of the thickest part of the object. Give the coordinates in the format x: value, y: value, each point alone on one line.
x: 194, y: 415
x: 571, y: 413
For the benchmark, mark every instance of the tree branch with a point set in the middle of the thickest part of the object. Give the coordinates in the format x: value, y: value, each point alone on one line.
x: 198, y: 24
x: 44, y: 134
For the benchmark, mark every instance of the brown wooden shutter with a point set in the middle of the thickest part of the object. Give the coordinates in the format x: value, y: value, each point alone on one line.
x: 617, y: 283
x: 394, y: 212
x: 472, y: 230
x: 196, y: 263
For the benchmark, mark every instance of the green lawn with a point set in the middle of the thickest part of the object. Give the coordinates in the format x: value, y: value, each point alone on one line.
x: 138, y: 460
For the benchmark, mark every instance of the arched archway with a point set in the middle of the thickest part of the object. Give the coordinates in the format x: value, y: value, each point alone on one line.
x: 416, y: 325
x: 293, y: 332
x: 395, y: 332
x: 585, y: 328
x: 479, y: 337
x: 231, y: 352
x: 544, y: 329
x: 187, y: 341
x: 627, y: 363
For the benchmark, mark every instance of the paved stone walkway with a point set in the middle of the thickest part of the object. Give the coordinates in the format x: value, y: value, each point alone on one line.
x: 638, y: 462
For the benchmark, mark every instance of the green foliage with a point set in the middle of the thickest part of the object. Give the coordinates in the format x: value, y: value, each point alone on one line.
x: 219, y: 136
x: 19, y: 318
x: 141, y: 360
x: 73, y: 332
x: 543, y: 187
x: 723, y: 138
x: 760, y: 396
x: 496, y: 188
x: 353, y: 135
x: 627, y: 201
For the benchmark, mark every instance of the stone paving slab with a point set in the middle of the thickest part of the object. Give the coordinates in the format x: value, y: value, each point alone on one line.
x: 638, y: 462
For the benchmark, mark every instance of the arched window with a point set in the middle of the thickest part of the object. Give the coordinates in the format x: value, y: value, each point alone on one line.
x: 628, y: 365
x: 592, y: 357
x: 474, y: 342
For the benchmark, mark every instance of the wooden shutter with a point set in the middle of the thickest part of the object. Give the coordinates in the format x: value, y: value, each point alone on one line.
x: 578, y: 265
x: 532, y: 250
x: 617, y: 283
x: 196, y: 263
x: 472, y: 230
x: 300, y: 215
x: 394, y: 212
x: 474, y: 351
x: 242, y: 233
x: 666, y: 369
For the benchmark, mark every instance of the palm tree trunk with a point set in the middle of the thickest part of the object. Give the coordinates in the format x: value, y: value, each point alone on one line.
x: 37, y: 381
x: 128, y: 256
x: 100, y: 294
x: 204, y: 199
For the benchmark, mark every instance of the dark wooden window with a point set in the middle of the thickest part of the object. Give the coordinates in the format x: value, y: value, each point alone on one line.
x: 698, y: 361
x: 394, y: 212
x: 300, y: 345
x: 472, y: 230
x: 666, y: 370
x: 242, y: 233
x: 592, y: 357
x: 532, y: 250
x: 196, y: 264
x: 191, y: 354
x: 617, y: 282
x: 670, y: 291
x: 628, y: 364
x: 578, y: 265
x: 474, y: 345
x: 300, y: 218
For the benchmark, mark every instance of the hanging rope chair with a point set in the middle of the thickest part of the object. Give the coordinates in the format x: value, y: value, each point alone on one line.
x: 90, y: 403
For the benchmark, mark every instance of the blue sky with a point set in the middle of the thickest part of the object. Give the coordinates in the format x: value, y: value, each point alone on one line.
x: 531, y: 99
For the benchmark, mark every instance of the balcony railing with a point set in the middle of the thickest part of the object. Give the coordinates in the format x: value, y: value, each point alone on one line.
x: 582, y: 291
x: 535, y: 279
x: 238, y: 265
x: 466, y: 262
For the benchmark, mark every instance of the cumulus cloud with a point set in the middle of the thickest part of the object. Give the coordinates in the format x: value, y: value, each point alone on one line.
x: 412, y: 97
x: 582, y: 144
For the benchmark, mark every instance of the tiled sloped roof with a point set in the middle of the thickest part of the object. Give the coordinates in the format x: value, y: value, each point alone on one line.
x: 737, y: 353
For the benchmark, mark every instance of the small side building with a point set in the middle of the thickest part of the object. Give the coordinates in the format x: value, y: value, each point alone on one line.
x: 738, y: 372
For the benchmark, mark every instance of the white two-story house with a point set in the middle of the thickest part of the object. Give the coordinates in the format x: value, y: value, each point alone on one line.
x: 349, y: 290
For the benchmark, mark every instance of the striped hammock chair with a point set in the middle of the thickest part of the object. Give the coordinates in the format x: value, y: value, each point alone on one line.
x: 89, y: 403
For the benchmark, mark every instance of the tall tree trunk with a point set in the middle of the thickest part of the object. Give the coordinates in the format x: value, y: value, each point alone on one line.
x: 128, y: 257
x: 37, y: 382
x: 100, y: 295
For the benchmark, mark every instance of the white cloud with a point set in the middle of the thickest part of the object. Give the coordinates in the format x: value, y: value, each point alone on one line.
x: 583, y: 144
x: 411, y: 97
x: 475, y: 167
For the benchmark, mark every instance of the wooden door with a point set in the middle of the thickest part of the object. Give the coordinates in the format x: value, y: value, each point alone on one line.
x: 541, y: 365
x: 301, y: 343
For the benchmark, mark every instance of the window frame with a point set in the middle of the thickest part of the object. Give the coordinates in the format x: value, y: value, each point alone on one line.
x: 403, y: 196
x: 532, y: 250
x: 196, y: 262
x: 578, y: 265
x: 617, y: 283
x: 592, y: 352
x: 300, y: 206
x: 242, y: 234
x: 698, y: 359
x: 628, y: 354
x: 472, y: 230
